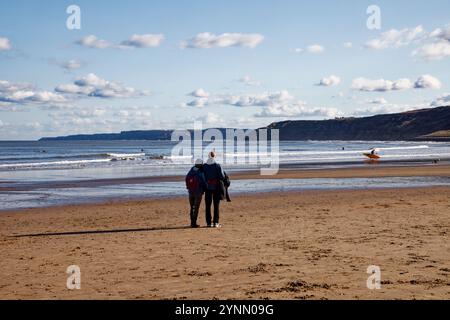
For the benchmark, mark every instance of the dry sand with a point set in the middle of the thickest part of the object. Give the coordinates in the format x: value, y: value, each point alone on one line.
x: 308, y: 245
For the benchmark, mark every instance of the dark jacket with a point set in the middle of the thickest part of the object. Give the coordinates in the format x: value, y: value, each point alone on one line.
x: 213, y: 174
x: 201, y: 177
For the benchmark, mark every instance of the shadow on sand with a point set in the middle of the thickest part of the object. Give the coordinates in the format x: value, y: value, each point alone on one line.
x: 72, y: 233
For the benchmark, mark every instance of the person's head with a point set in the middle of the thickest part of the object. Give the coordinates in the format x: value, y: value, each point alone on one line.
x: 199, y: 163
x: 212, y: 155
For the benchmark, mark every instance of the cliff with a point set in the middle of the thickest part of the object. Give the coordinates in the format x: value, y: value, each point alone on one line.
x: 425, y: 124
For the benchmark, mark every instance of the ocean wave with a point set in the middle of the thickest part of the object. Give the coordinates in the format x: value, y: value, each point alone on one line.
x: 125, y: 156
x: 105, y: 157
x: 21, y: 161
x: 52, y: 163
x: 55, y: 157
x: 177, y: 157
x: 291, y: 153
x: 158, y: 158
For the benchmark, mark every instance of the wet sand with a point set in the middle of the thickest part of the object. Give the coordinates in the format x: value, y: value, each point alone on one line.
x: 368, y: 171
x: 308, y: 245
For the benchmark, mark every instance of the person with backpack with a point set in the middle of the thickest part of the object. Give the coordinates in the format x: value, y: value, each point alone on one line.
x: 196, y: 186
x: 215, y: 190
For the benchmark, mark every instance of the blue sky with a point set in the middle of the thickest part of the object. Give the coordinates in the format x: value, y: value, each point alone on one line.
x: 226, y: 63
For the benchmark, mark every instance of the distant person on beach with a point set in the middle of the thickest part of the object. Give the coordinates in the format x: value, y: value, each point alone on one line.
x: 196, y: 185
x: 215, y: 189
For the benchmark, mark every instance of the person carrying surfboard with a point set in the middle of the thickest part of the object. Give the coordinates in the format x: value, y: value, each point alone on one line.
x: 372, y: 154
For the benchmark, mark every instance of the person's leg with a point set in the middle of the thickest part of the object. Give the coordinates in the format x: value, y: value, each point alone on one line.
x: 216, y: 200
x: 208, y: 201
x: 192, y: 204
x: 198, y: 201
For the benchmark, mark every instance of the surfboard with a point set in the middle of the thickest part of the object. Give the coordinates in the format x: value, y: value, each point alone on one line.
x: 371, y: 156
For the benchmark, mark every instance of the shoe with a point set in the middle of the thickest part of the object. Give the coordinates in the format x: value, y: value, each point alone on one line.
x: 210, y: 226
x: 217, y: 225
x: 195, y: 225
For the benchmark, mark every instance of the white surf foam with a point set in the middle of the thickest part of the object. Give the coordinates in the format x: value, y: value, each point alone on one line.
x: 52, y: 163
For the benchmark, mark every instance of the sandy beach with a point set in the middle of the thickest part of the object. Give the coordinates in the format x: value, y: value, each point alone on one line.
x: 294, y: 245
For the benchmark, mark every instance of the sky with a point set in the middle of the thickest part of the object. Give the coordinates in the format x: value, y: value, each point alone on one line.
x: 141, y: 65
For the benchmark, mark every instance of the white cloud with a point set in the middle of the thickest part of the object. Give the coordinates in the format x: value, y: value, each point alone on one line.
x: 133, y: 114
x: 255, y: 100
x: 122, y: 113
x: 91, y: 80
x: 442, y: 100
x: 143, y: 40
x: 347, y: 45
x: 396, y: 38
x: 427, y: 82
x: 380, y: 100
x: 297, y: 109
x: 199, y: 103
x: 339, y: 95
x: 208, y: 40
x: 94, y: 86
x: 380, y: 85
x: 314, y: 49
x: 329, y: 81
x: 5, y: 44
x: 442, y: 34
x: 385, y: 109
x: 212, y: 119
x: 92, y: 41
x: 201, y: 98
x: 135, y: 41
x: 33, y: 125
x: 71, y: 64
x: 78, y: 113
x: 74, y: 89
x: 249, y: 81
x: 23, y: 93
x: 90, y: 113
x: 87, y: 120
x: 199, y: 93
x: 438, y: 46
x: 274, y: 104
x: 434, y: 51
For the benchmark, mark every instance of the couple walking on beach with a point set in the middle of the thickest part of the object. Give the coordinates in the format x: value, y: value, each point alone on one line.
x: 209, y: 179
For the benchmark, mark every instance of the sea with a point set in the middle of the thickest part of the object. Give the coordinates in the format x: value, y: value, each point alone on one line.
x: 46, y: 173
